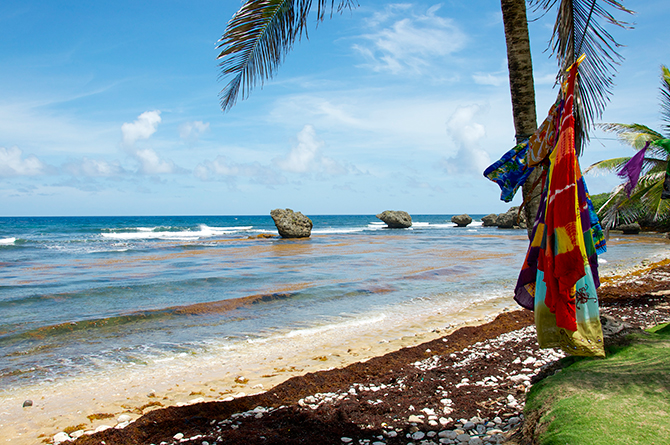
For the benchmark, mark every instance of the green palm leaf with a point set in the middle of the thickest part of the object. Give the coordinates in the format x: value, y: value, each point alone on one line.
x: 580, y: 28
x: 635, y: 135
x: 612, y: 165
x: 257, y: 39
x: 665, y: 99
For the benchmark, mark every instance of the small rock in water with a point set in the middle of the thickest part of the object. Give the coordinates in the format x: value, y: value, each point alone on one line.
x: 347, y: 440
x: 27, y: 403
x: 178, y: 436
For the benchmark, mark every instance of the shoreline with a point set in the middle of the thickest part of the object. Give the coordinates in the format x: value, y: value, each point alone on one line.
x: 136, y: 390
x: 45, y: 419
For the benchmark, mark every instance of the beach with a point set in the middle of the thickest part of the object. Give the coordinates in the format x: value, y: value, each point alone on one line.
x: 347, y: 297
x: 469, y: 383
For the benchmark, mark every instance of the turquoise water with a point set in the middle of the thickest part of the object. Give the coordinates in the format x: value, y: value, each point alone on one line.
x: 95, y: 293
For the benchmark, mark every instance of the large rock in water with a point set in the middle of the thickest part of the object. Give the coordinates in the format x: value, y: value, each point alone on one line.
x: 490, y: 220
x: 396, y: 219
x: 291, y: 224
x: 512, y: 219
x: 461, y: 220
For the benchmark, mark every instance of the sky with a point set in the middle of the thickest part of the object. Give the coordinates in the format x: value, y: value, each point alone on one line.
x: 112, y: 108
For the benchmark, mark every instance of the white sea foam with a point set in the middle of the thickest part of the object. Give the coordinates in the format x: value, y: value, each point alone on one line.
x: 313, y: 331
x: 7, y: 241
x: 145, y: 233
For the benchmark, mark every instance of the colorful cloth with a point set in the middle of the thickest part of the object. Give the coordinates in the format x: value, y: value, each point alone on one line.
x: 559, y: 277
x: 597, y: 232
x: 631, y: 170
x: 543, y: 141
x: 510, y: 171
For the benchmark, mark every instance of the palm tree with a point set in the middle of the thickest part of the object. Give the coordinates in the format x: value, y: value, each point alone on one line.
x: 260, y: 34
x: 645, y: 201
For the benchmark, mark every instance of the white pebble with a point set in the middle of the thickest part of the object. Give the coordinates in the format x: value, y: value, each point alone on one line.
x: 61, y: 437
x: 123, y: 418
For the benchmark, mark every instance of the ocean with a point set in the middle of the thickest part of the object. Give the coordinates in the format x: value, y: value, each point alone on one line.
x: 88, y: 297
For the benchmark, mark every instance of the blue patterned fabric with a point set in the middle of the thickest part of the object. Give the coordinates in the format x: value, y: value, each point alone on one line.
x: 510, y: 171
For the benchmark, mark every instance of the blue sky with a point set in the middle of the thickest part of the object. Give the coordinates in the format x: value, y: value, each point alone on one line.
x: 111, y: 108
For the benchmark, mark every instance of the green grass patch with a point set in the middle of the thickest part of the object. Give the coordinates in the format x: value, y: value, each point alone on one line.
x: 622, y: 399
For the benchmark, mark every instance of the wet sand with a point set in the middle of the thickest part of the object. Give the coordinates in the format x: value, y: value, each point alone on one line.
x: 94, y: 400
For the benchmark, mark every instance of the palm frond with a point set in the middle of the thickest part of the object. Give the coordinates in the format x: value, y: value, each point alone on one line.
x: 609, y: 211
x: 257, y: 39
x: 665, y: 99
x: 635, y: 135
x: 580, y: 28
x: 648, y: 194
x: 653, y: 165
x: 612, y: 165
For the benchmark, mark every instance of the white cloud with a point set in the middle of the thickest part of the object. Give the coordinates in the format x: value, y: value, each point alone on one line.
x: 223, y: 168
x: 190, y: 131
x: 94, y: 167
x: 303, y: 157
x: 494, y: 79
x: 306, y: 156
x: 466, y: 133
x: 13, y: 164
x: 152, y: 164
x: 410, y: 45
x: 144, y: 126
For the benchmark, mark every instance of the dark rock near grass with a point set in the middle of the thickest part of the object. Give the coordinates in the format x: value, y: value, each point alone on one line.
x: 630, y: 229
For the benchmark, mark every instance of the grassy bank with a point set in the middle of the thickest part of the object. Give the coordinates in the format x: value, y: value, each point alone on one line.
x: 623, y: 399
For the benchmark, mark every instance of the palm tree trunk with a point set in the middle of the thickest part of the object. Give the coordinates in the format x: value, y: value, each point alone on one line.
x: 522, y: 89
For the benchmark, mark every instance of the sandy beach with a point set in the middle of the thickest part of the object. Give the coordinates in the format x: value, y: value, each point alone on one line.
x: 364, y: 389
x: 137, y: 390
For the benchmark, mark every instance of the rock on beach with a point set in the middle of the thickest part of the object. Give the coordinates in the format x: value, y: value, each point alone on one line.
x: 396, y: 219
x: 291, y: 224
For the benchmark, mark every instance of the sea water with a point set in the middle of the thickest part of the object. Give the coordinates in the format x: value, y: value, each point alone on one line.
x: 86, y: 296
